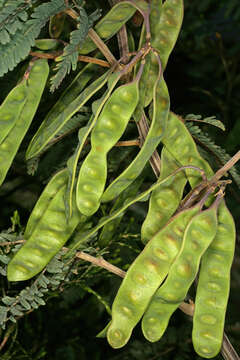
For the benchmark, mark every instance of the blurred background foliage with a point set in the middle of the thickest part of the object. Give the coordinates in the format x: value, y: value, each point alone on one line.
x: 203, y: 77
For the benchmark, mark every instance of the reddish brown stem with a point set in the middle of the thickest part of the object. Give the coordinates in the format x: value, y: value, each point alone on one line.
x: 82, y: 58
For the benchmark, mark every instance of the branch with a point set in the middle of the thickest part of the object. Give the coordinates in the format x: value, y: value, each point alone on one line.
x: 12, y: 242
x: 128, y: 143
x: 221, y: 172
x: 87, y: 59
x: 102, y: 47
x: 101, y: 263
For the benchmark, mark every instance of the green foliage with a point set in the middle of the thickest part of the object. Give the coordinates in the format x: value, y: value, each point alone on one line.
x: 21, y: 41
x: 58, y: 313
x: 31, y: 297
x: 13, y: 15
x: 68, y: 61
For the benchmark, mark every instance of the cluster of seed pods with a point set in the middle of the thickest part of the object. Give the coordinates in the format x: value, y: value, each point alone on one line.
x: 198, y: 235
x: 177, y: 245
x: 144, y: 276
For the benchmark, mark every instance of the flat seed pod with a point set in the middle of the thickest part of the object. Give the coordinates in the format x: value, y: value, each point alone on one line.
x: 110, y: 126
x: 198, y: 235
x: 165, y: 200
x: 32, y: 93
x: 48, y: 232
x: 144, y: 276
x: 213, y: 288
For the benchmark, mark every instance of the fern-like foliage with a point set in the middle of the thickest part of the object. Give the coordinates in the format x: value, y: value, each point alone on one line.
x: 31, y: 297
x: 220, y: 154
x: 21, y: 41
x: 60, y: 271
x: 13, y: 16
x: 68, y: 61
x: 208, y: 120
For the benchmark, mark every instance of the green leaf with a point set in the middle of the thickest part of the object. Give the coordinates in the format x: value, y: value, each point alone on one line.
x: 69, y: 58
x: 22, y: 41
x: 4, y: 259
x: 26, y: 294
x: 209, y: 120
x: 24, y: 303
x: 12, y: 318
x: 7, y: 300
x: 39, y: 300
x: 3, y: 271
x: 34, y: 305
x: 15, y: 312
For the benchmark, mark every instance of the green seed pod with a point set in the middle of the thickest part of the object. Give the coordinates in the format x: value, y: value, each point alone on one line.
x: 165, y: 200
x: 213, y: 288
x: 110, y: 24
x: 161, y: 104
x: 165, y: 28
x: 56, y: 25
x: 82, y: 137
x: 64, y: 110
x: 110, y: 126
x: 108, y: 231
x: 107, y: 219
x: 144, y: 277
x: 198, y: 235
x: 48, y: 231
x: 11, y: 108
x: 54, y: 185
x: 155, y: 18
x: 46, y: 44
x: 181, y: 145
x: 31, y: 92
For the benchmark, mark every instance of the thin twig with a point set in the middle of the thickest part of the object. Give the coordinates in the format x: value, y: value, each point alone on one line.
x: 221, y: 172
x: 5, y: 339
x: 101, y: 263
x: 92, y: 60
x: 7, y: 335
x: 128, y: 143
x: 12, y: 242
x: 46, y: 55
x: 87, y: 59
x: 102, y: 47
x: 228, y: 352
